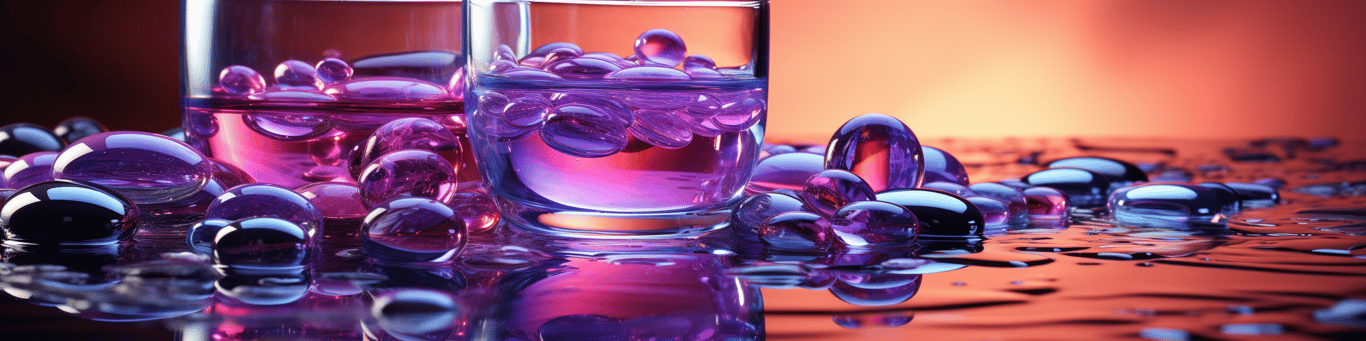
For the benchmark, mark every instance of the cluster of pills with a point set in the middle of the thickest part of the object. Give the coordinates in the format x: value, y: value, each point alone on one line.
x: 401, y: 77
x: 100, y: 188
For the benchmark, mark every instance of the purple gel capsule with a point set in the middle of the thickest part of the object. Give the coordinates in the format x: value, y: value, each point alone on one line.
x: 583, y: 131
x: 886, y: 293
x: 494, y: 126
x: 241, y: 80
x: 704, y: 106
x: 1046, y: 203
x: 648, y: 73
x: 668, y: 130
x: 706, y: 127
x: 201, y: 234
x: 704, y: 74
x: 76, y: 128
x: 880, y: 149
x: 604, y: 56
x: 582, y: 327
x: 333, y: 70
x: 297, y: 75
x: 1084, y: 188
x: 942, y: 215
x: 407, y: 173
x: 606, y: 104
x: 501, y: 66
x: 387, y: 89
x: 288, y: 126
x: 526, y: 111
x: 1119, y: 172
x: 413, y: 230
x: 228, y: 175
x: 266, y: 200
x: 747, y: 217
x: 660, y: 47
x: 942, y: 166
x: 557, y: 55
x: 19, y: 139
x: 427, y: 66
x: 829, y: 190
x: 875, y: 224
x: 334, y: 200
x: 492, y: 103
x: 477, y: 207
x: 697, y: 61
x: 67, y: 213
x: 147, y: 168
x: 581, y: 68
x: 784, y: 171
x: 996, y: 213
x: 30, y: 169
x: 950, y: 187
x: 1013, y: 197
x: 1166, y: 205
x: 404, y: 133
x: 547, y: 48
x: 531, y: 74
x: 796, y: 231
x: 741, y: 115
x: 532, y: 62
x: 262, y: 244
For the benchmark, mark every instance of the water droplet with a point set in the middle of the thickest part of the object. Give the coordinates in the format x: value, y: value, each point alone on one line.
x: 880, y: 149
x: 1255, y: 195
x: 526, y: 112
x: 147, y: 168
x: 1046, y: 203
x: 742, y: 114
x: 698, y: 61
x: 334, y: 200
x: 884, y: 290
x: 476, y: 206
x: 959, y: 190
x: 581, y: 68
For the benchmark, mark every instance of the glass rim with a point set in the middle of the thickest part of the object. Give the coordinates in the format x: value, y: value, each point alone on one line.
x: 652, y: 3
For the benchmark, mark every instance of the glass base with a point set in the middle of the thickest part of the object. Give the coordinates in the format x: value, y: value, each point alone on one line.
x: 606, y: 225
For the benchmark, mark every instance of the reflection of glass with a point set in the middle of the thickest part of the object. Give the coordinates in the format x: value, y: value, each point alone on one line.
x: 286, y: 89
x: 617, y: 118
x: 627, y: 297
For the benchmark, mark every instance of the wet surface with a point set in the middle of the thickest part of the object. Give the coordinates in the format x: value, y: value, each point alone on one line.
x: 1293, y: 270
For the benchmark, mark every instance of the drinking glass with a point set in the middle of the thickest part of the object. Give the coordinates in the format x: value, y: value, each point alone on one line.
x: 286, y: 89
x: 616, y: 119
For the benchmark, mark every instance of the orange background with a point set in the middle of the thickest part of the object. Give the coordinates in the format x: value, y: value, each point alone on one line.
x: 1224, y: 69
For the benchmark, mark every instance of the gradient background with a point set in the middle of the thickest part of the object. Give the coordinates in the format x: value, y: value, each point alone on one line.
x: 1149, y: 68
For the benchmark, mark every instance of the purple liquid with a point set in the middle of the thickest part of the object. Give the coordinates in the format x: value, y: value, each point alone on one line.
x: 295, y: 143
x: 705, y: 173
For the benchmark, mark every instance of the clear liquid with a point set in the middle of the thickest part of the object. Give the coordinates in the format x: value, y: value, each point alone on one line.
x: 707, y: 173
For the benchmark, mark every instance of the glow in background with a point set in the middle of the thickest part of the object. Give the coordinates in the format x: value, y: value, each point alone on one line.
x: 1204, y: 68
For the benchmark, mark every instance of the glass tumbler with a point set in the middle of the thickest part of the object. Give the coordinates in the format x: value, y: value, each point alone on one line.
x: 616, y: 119
x: 286, y: 89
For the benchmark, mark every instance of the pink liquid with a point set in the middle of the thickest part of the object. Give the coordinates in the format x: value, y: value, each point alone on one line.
x: 292, y: 144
